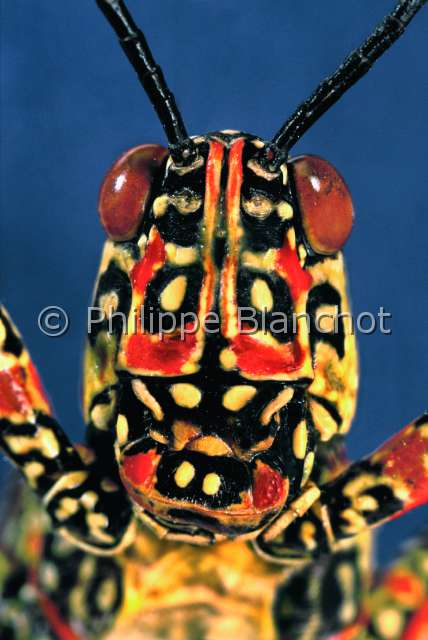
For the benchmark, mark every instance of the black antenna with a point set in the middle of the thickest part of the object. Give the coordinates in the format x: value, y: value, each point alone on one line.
x: 150, y: 74
x: 353, y: 68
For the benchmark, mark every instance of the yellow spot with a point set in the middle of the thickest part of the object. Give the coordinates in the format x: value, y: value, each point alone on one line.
x: 285, y: 210
x: 365, y: 503
x: 186, y: 395
x: 160, y: 205
x: 291, y: 237
x: 307, y: 467
x: 227, y: 359
x: 33, y: 470
x: 300, y: 440
x: 284, y: 171
x: 210, y: 445
x: 180, y: 256
x: 89, y: 499
x: 49, y: 576
x: 183, y: 432
x: 67, y: 507
x: 307, y: 534
x: 122, y: 429
x: 261, y: 295
x: 277, y: 403
x: 144, y: 395
x: 100, y: 415
x: 106, y: 595
x: 159, y: 437
x: 44, y: 440
x: 389, y: 624
x: 211, y: 484
x: 97, y: 521
x: 172, y: 296
x: 238, y: 396
x: 324, y: 422
x: 184, y: 474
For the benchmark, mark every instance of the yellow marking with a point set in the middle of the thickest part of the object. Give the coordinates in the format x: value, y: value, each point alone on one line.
x: 184, y: 474
x: 284, y: 210
x: 276, y: 404
x: 227, y: 359
x: 109, y: 303
x: 183, y: 432
x: 345, y: 575
x: 67, y: 481
x: 109, y: 486
x: 210, y: 445
x: 265, y: 261
x: 365, y: 503
x: 186, y: 202
x: 2, y: 334
x: 172, y: 296
x: 389, y: 623
x: 326, y: 320
x: 300, y: 440
x: 106, y: 595
x: 261, y: 295
x: 97, y: 522
x: 307, y: 534
x: 323, y: 420
x: 160, y: 205
x: 356, y: 522
x: 238, y: 396
x: 181, y: 256
x: 122, y: 429
x: 100, y: 415
x: 211, y: 484
x: 89, y: 499
x: 33, y: 470
x: 186, y: 395
x: 284, y: 171
x: 49, y: 576
x: 302, y: 254
x: 261, y: 171
x: 159, y: 437
x: 307, y: 467
x: 359, y: 484
x: 291, y: 237
x: 67, y: 507
x: 44, y: 440
x: 183, y: 169
x: 144, y: 395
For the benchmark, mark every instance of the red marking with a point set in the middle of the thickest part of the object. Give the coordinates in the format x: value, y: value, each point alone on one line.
x: 406, y: 587
x: 165, y: 355
x: 61, y: 629
x: 417, y: 628
x: 145, y: 269
x: 13, y: 395
x: 270, y: 489
x: 139, y: 469
x: 126, y: 189
x: 288, y: 265
x: 402, y: 458
x: 37, y: 384
x: 263, y: 359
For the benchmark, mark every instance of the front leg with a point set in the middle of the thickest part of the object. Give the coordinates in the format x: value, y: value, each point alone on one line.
x: 86, y: 507
x: 381, y: 487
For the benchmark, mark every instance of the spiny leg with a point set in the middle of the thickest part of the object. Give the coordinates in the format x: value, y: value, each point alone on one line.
x: 83, y: 504
x: 383, y: 486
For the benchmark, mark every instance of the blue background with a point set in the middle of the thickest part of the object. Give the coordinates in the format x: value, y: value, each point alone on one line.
x: 71, y: 104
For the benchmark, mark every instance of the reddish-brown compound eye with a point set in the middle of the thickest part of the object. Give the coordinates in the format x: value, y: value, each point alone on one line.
x: 126, y: 190
x: 325, y: 203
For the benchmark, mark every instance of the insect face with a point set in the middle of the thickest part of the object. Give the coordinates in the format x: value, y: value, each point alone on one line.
x: 214, y: 429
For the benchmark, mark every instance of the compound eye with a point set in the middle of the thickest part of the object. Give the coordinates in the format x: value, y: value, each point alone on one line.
x: 126, y: 190
x: 325, y: 203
